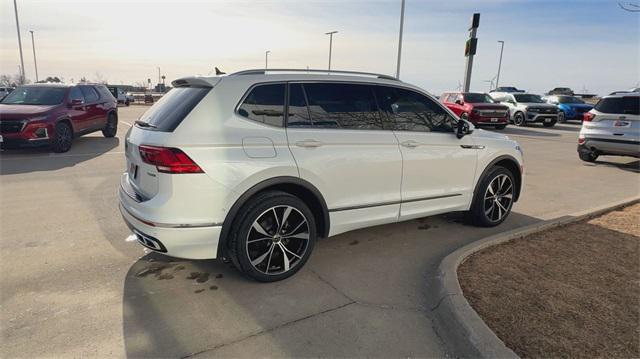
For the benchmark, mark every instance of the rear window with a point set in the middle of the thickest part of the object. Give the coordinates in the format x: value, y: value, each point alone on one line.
x: 166, y: 114
x: 629, y: 105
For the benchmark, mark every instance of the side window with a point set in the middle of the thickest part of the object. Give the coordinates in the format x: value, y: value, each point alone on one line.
x: 265, y: 103
x: 412, y: 111
x: 76, y: 94
x: 89, y: 93
x: 348, y: 106
x: 631, y: 105
x: 104, y: 92
x: 298, y: 111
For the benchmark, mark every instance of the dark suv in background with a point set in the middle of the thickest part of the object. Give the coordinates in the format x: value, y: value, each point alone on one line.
x: 54, y: 114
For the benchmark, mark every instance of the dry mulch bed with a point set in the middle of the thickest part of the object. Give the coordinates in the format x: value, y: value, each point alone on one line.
x: 572, y: 291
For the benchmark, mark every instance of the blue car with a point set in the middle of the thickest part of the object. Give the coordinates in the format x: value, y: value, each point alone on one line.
x: 569, y: 107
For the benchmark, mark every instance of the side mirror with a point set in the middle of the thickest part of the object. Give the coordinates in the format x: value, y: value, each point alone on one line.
x: 76, y: 102
x: 462, y: 129
x: 459, y: 102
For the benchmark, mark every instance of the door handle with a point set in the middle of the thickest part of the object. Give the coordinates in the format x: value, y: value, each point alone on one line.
x: 308, y: 143
x: 410, y: 144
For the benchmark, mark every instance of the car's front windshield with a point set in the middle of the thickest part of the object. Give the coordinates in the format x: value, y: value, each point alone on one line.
x: 569, y: 99
x: 35, y: 95
x: 477, y: 98
x: 528, y: 98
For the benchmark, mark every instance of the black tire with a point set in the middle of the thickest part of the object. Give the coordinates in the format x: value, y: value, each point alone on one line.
x: 561, y: 117
x: 549, y: 124
x: 249, y: 251
x: 519, y: 119
x: 111, y: 128
x: 477, y: 214
x: 464, y: 116
x: 588, y: 156
x: 501, y: 127
x: 126, y: 103
x: 63, y: 137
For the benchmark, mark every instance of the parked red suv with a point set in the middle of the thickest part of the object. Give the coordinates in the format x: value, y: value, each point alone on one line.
x: 53, y: 114
x: 477, y: 107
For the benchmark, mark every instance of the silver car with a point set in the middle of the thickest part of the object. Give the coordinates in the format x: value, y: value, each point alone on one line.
x: 611, y: 128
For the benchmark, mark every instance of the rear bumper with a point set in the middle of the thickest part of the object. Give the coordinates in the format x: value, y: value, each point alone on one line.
x: 177, y: 240
x: 610, y: 147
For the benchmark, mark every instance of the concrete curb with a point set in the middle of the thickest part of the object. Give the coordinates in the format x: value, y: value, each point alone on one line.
x: 463, y: 331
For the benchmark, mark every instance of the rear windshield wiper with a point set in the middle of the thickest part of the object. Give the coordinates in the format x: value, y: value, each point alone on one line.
x: 145, y: 124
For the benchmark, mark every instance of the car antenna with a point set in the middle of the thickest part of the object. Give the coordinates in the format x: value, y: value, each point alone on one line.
x: 218, y: 72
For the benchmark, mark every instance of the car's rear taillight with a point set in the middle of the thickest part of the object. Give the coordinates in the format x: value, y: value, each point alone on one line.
x: 581, y: 140
x: 168, y: 160
x: 589, y: 116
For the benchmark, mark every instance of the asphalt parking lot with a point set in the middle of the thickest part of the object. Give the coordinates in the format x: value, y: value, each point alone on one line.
x: 72, y: 285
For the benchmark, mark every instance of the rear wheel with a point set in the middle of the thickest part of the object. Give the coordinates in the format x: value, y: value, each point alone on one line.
x: 111, y: 128
x: 493, y: 199
x: 63, y: 138
x: 518, y: 119
x: 273, y: 237
x: 588, y: 156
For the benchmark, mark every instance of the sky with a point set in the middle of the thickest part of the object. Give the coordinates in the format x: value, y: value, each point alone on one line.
x: 590, y: 44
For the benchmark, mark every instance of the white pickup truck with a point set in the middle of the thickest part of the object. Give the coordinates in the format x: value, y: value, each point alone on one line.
x: 120, y: 95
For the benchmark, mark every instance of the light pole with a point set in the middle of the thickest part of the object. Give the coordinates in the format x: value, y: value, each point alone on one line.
x: 266, y: 59
x: 35, y: 63
x: 400, y: 39
x: 22, y: 77
x: 499, y: 62
x: 330, y: 33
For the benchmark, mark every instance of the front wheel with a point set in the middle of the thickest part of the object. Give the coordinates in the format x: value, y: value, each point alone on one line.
x: 63, y: 138
x: 493, y: 199
x: 111, y: 128
x: 274, y: 236
x: 561, y: 117
x: 518, y: 119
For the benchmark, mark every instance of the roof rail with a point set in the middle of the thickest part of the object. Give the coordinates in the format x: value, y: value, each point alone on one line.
x: 315, y: 71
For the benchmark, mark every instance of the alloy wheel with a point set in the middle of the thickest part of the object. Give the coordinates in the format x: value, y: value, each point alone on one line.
x: 278, y: 240
x: 498, y: 198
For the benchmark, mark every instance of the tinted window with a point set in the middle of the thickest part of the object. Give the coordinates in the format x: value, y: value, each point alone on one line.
x: 173, y: 107
x: 36, y: 95
x: 89, y: 93
x: 76, y: 94
x: 265, y: 103
x: 477, y: 98
x: 104, y: 92
x: 528, y: 98
x: 412, y: 111
x: 620, y: 105
x: 298, y: 111
x: 349, y: 106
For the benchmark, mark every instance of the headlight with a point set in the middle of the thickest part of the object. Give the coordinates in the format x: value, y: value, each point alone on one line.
x: 38, y: 118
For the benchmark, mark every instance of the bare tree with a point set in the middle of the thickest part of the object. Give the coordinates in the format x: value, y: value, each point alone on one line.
x: 630, y: 7
x: 5, y: 80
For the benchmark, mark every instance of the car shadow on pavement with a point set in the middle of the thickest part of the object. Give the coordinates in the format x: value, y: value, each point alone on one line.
x: 43, y: 159
x: 351, y: 299
x: 633, y: 166
x: 523, y: 131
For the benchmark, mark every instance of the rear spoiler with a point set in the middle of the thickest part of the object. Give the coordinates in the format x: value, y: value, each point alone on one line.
x: 195, y: 82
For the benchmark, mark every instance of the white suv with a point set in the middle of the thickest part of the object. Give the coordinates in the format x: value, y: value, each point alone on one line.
x: 256, y: 166
x: 527, y: 108
x: 612, y: 127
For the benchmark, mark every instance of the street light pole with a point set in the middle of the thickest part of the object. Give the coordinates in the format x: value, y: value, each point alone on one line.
x: 499, y: 62
x: 35, y: 63
x: 330, y: 45
x: 400, y: 39
x: 266, y: 59
x: 22, y: 77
